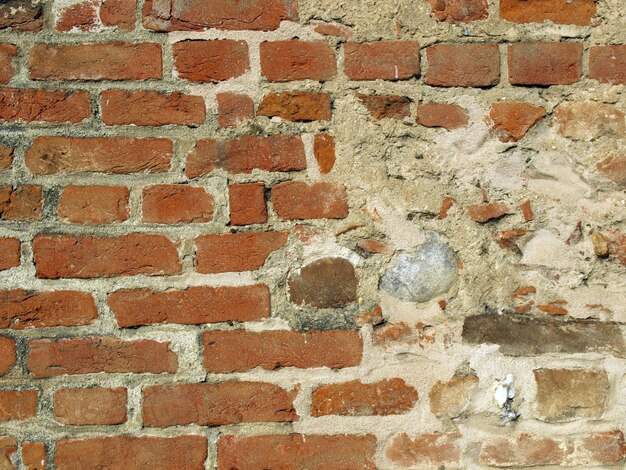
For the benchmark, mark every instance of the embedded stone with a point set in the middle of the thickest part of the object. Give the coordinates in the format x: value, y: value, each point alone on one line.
x: 325, y: 283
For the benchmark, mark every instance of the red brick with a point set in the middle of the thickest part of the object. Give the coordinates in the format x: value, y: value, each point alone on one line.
x: 20, y: 309
x: 296, y: 106
x: 78, y: 17
x: 8, y: 447
x: 87, y: 256
x: 332, y: 29
x: 426, y: 450
x: 85, y: 406
x: 607, y: 64
x: 527, y: 450
x: 51, y: 106
x: 22, y: 203
x: 273, y: 153
x: 120, y: 13
x: 7, y: 355
x: 234, y: 109
x: 94, y: 204
x: 247, y: 204
x: 324, y: 151
x: 192, y: 306
x: 392, y: 60
x: 7, y: 70
x: 463, y: 65
x: 613, y: 168
x: 176, y: 203
x: 91, y: 355
x: 448, y: 116
x: 102, y: 61
x: 6, y: 157
x: 10, y: 253
x: 18, y: 405
x: 387, y: 106
x: 22, y: 15
x: 52, y: 155
x: 387, y: 397
x: 132, y: 453
x: 510, y: 120
x: 216, y: 404
x: 299, y: 200
x: 483, y: 213
x: 576, y: 12
x: 198, y: 15
x: 283, y: 61
x: 545, y: 63
x: 239, y: 350
x: 211, y: 61
x: 151, y: 108
x: 34, y: 455
x: 297, y: 451
x: 460, y: 11
x: 234, y: 252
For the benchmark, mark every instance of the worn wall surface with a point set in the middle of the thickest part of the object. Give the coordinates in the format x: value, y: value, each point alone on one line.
x: 312, y: 234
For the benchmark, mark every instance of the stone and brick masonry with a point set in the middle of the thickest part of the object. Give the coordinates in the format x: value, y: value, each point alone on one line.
x: 312, y: 234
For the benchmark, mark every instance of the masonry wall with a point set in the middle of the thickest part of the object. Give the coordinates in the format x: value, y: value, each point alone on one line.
x: 313, y: 234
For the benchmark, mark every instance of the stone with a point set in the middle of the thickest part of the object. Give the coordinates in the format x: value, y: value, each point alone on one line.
x: 589, y: 120
x: 419, y: 277
x: 325, y: 283
x: 450, y: 399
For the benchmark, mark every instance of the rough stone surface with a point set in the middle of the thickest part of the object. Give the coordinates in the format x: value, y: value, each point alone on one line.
x: 450, y: 399
x: 325, y: 283
x: 418, y: 277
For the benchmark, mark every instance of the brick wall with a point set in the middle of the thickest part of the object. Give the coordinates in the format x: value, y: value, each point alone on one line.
x: 280, y: 234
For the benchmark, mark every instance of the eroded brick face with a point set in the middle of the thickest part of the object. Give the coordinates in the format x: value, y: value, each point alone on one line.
x: 312, y: 235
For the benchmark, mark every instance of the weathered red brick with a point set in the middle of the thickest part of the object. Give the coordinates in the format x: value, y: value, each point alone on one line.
x: 176, y: 203
x: 216, y: 404
x: 588, y: 120
x: 446, y: 115
x: 450, y: 399
x: 6, y: 157
x: 90, y: 406
x: 283, y: 61
x: 324, y: 151
x: 132, y: 453
x: 18, y: 405
x: 613, y: 168
x: 7, y: 355
x: 528, y: 450
x: 8, y: 447
x: 211, y: 61
x: 94, y: 204
x: 101, y: 61
x: 234, y: 109
x: 332, y: 29
x: 51, y: 106
x: 52, y: 155
x: 483, y: 213
x: 78, y: 17
x: 239, y: 350
x: 20, y: 309
x: 272, y: 153
x: 22, y: 15
x: 21, y: 203
x: 234, y: 252
x: 192, y: 306
x: 386, y: 106
x: 198, y: 15
x: 607, y: 64
x: 247, y: 204
x: 460, y: 11
x: 34, y: 455
x: 297, y: 451
x: 545, y: 63
x: 87, y: 256
x: 463, y: 65
x: 577, y: 12
x: 510, y: 120
x: 7, y: 70
x: 299, y: 200
x: 91, y: 355
x: 120, y: 13
x: 430, y: 450
x: 296, y: 106
x: 355, y: 398
x: 390, y: 60
x: 91, y: 15
x: 151, y: 108
x: 10, y: 253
